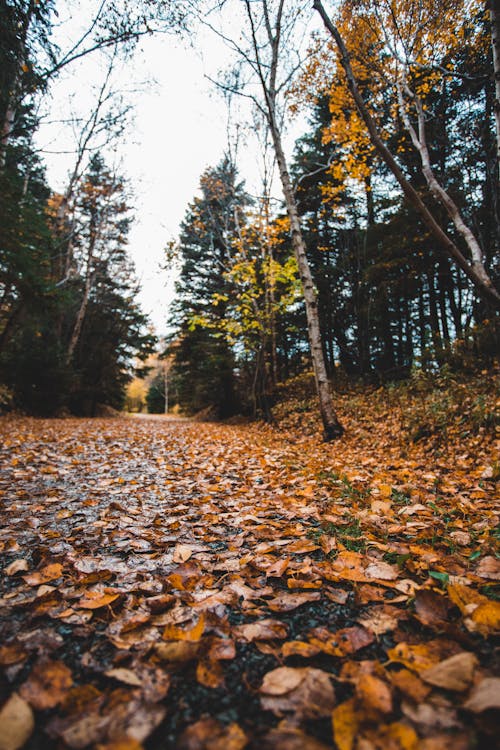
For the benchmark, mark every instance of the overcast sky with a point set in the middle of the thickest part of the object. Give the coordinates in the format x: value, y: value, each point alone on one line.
x: 179, y: 129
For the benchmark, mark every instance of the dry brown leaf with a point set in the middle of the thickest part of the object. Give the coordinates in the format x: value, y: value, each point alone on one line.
x: 455, y: 673
x: 126, y: 676
x: 16, y: 566
x: 489, y: 567
x: 410, y: 685
x: 431, y: 716
x: 382, y: 570
x: 177, y: 651
x: 281, y: 680
x: 291, y: 738
x: 47, y: 685
x: 277, y: 569
x: 484, y: 695
x: 96, y: 600
x: 431, y: 608
x: 210, y: 734
x: 286, y: 602
x: 262, y: 630
x: 16, y: 723
x: 182, y: 553
x: 304, y: 692
x: 209, y: 673
x: 299, y: 648
x: 12, y: 653
x: 46, y: 574
x: 381, y: 619
x: 343, y: 642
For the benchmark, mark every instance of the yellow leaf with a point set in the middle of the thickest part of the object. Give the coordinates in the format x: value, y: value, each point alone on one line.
x: 345, y: 722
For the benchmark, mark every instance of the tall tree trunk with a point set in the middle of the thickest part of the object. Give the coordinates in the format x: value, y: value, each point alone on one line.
x: 495, y: 44
x: 332, y: 427
x: 475, y: 271
x: 267, y: 74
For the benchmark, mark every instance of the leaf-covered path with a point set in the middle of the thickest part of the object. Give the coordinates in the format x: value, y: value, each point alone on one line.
x: 168, y: 584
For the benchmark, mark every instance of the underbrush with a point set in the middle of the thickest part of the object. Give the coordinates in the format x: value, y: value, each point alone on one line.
x: 433, y: 407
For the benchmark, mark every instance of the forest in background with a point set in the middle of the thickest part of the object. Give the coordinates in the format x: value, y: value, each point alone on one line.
x: 391, y: 297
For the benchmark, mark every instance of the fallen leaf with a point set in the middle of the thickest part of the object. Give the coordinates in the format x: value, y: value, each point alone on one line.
x: 484, y: 695
x: 455, y: 673
x: 47, y: 685
x: 410, y: 685
x: 182, y: 553
x: 343, y: 642
x: 382, y: 571
x: 16, y: 566
x: 262, y: 630
x: 46, y: 574
x: 430, y: 716
x: 345, y: 723
x: 305, y: 692
x: 277, y: 569
x: 177, y: 651
x: 12, y: 653
x: 96, y: 600
x: 422, y: 656
x: 431, y: 608
x: 291, y: 738
x: 286, y: 602
x: 281, y: 680
x: 210, y: 734
x: 374, y: 694
x: 380, y: 620
x: 175, y: 633
x: 16, y: 723
x: 299, y: 648
x: 209, y: 673
x: 485, y: 618
x: 489, y: 567
x: 126, y: 676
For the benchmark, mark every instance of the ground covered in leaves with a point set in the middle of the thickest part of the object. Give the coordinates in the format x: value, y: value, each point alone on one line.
x: 169, y: 584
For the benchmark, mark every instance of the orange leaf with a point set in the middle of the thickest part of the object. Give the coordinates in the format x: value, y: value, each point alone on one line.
x: 175, y: 633
x: 96, y: 600
x: 345, y: 722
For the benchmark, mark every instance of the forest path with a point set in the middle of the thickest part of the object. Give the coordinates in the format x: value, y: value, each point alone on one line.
x: 171, y: 584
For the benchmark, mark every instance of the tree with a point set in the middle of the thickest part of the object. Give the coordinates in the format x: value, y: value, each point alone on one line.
x: 413, y: 32
x: 271, y: 27
x: 204, y: 359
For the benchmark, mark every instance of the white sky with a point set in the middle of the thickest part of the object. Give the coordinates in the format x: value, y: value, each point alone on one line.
x: 179, y: 129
